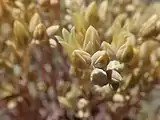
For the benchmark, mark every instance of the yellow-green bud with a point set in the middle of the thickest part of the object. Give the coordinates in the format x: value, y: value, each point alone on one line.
x: 92, y: 42
x: 81, y: 59
x: 21, y: 34
x: 125, y: 53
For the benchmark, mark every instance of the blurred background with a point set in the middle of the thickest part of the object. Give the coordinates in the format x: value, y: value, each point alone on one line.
x: 35, y: 68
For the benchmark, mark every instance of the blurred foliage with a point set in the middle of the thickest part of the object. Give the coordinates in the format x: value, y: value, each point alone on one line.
x: 78, y: 59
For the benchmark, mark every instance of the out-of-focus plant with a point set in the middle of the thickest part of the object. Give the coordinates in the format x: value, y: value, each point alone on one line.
x: 113, y: 53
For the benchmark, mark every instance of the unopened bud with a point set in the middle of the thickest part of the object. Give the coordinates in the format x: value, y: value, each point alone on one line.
x: 81, y: 59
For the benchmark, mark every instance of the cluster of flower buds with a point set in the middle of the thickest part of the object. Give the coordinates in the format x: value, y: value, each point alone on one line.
x: 109, y: 49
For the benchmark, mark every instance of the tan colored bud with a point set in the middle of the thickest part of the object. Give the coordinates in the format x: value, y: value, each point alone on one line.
x: 92, y: 41
x: 109, y: 49
x: 19, y: 4
x: 102, y: 11
x: 91, y: 12
x: 65, y: 34
x: 81, y: 59
x: 21, y: 34
x: 148, y: 28
x: 125, y: 53
x: 99, y: 77
x: 79, y: 22
x: 100, y: 59
x: 134, y: 24
x: 116, y: 26
x: 52, y: 30
x: 35, y: 20
x: 40, y: 32
x: 121, y: 38
x: 135, y: 58
x: 146, y: 48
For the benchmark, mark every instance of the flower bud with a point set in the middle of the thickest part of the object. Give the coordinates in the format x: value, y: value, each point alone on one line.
x: 100, y: 59
x: 81, y: 59
x: 91, y: 13
x: 146, y: 48
x: 116, y: 26
x: 39, y: 32
x: 103, y: 10
x: 79, y: 22
x: 148, y: 28
x: 92, y: 42
x: 109, y: 49
x: 35, y: 20
x: 21, y: 34
x: 125, y: 53
x: 98, y: 77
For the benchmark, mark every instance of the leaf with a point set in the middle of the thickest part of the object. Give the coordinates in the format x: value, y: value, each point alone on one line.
x: 79, y: 22
x: 65, y: 34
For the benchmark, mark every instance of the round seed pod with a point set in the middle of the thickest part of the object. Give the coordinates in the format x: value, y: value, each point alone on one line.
x: 98, y: 77
x: 100, y: 59
x: 116, y: 76
x: 114, y: 79
x: 115, y: 85
x: 21, y: 34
